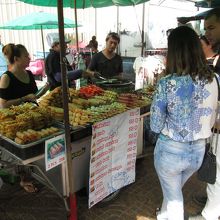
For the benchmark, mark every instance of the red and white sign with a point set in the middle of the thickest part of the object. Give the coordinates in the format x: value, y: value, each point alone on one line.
x: 113, y: 154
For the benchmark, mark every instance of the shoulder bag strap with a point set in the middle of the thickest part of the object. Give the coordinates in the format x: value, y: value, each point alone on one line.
x: 218, y: 87
x: 217, y: 114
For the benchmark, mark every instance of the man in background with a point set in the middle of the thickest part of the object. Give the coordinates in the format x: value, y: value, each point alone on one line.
x: 211, y: 54
x: 93, y: 44
x: 53, y: 67
x: 212, y: 32
x: 211, y: 210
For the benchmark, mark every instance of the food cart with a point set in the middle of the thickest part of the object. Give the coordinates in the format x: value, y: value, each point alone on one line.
x: 33, y: 154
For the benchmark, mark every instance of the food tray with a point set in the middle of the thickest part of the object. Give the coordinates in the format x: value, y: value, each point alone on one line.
x: 26, y: 151
x: 72, y: 128
x: 37, y: 148
x: 32, y: 143
x: 78, y: 132
x: 23, y: 153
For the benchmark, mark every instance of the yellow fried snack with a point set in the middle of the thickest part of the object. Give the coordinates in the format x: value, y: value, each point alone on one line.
x: 19, y: 141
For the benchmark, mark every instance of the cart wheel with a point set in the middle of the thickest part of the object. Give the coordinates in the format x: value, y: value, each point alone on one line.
x: 109, y: 198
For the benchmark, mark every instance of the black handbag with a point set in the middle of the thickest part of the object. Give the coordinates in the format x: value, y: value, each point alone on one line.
x: 207, y: 171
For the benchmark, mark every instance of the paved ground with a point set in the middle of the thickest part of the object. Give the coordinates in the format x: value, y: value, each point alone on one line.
x: 137, y: 201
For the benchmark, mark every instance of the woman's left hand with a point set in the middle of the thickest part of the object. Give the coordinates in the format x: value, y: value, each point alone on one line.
x: 88, y: 73
x: 30, y: 97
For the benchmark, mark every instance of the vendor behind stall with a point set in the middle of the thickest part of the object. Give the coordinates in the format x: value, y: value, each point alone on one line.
x: 53, y: 67
x: 17, y: 85
x: 107, y: 62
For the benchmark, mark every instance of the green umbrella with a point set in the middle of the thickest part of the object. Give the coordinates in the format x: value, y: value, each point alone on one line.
x: 77, y: 4
x: 37, y: 21
x: 85, y: 3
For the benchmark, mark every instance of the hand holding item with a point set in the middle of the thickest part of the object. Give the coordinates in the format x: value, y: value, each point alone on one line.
x: 42, y: 90
x: 88, y: 73
x: 119, y: 77
x: 97, y: 75
x: 29, y: 98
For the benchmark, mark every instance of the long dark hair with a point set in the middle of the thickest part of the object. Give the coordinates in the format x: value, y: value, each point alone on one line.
x: 185, y: 55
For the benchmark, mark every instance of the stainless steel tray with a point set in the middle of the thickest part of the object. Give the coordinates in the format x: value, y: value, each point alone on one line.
x: 23, y: 146
x: 73, y: 128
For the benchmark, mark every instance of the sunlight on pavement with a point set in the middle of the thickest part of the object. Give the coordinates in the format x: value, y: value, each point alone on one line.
x: 140, y: 217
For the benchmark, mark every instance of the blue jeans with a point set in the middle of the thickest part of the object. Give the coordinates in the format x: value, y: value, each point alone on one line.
x: 175, y: 162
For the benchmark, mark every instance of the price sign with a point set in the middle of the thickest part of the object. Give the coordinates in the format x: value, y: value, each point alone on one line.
x: 113, y: 154
x: 55, y: 151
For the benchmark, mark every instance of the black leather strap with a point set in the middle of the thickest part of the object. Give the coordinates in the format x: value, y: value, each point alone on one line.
x: 218, y: 87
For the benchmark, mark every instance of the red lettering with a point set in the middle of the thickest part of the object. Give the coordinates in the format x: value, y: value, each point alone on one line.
x: 131, y: 113
x: 133, y: 135
x: 131, y: 121
x: 129, y: 156
x: 100, y: 148
x: 129, y: 149
x: 105, y: 159
x: 100, y: 133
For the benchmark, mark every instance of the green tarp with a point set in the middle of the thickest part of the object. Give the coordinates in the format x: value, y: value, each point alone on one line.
x: 36, y: 21
x: 85, y: 3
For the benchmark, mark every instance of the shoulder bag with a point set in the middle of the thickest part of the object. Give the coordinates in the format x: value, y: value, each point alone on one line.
x: 207, y: 171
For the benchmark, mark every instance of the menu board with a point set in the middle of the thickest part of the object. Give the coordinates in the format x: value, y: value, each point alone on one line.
x: 113, y: 154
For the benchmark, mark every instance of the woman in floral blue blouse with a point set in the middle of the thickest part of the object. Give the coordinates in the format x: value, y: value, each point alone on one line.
x: 183, y: 113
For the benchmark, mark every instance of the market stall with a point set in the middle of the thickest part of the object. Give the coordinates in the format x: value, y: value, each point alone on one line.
x: 24, y: 138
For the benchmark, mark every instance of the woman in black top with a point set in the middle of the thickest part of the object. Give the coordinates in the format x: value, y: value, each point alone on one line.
x: 17, y: 85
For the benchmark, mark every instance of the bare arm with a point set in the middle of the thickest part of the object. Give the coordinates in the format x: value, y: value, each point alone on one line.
x: 88, y: 73
x: 7, y: 103
x: 4, y: 83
